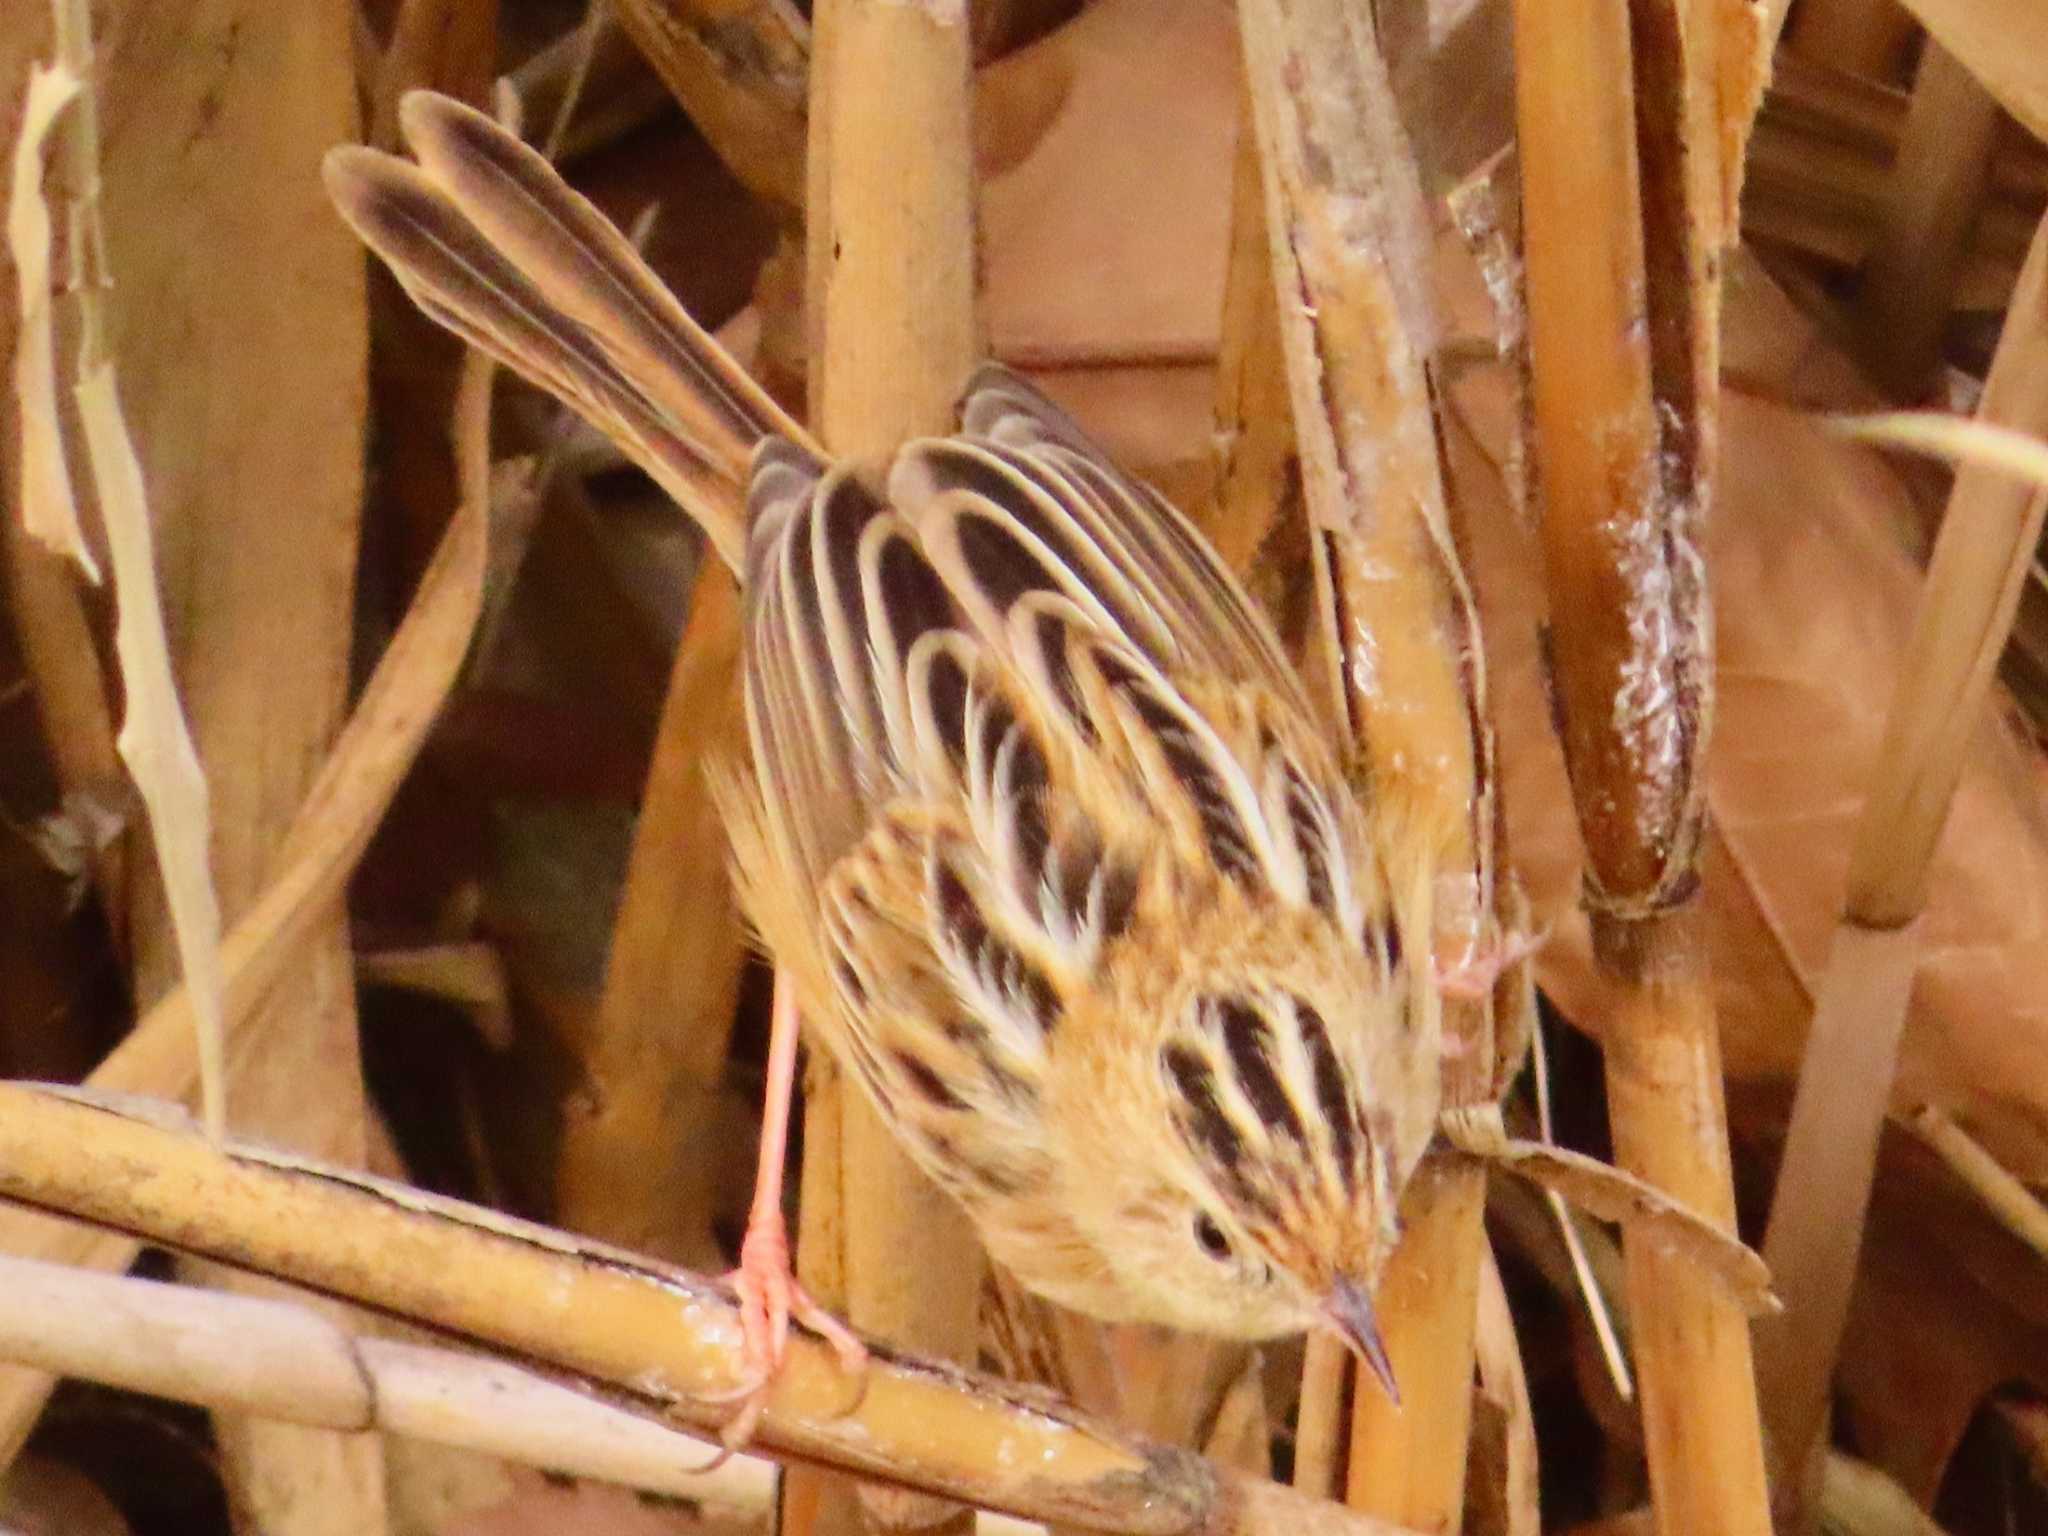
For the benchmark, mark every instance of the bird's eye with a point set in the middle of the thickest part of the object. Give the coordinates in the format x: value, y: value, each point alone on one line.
x: 1210, y: 1236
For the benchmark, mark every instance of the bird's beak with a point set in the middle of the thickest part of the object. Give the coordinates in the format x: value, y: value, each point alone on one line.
x: 1349, y: 1310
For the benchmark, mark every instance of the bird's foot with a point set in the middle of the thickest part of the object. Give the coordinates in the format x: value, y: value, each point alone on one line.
x: 769, y: 1296
x: 1474, y: 974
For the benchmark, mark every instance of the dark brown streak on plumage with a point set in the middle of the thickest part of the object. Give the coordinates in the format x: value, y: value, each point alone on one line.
x: 1229, y: 844
x: 913, y: 600
x: 926, y: 1080
x: 998, y: 562
x: 1199, y: 1115
x: 999, y: 963
x: 1023, y: 789
x: 1052, y: 635
x: 845, y: 516
x: 1248, y: 1045
x: 947, y: 688
x: 1333, y: 1097
x: 1308, y: 834
x: 971, y: 1036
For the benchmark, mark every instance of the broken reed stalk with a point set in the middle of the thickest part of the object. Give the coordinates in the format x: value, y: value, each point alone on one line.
x: 2003, y: 1193
x: 1623, y: 207
x: 277, y: 1360
x: 740, y: 69
x: 1938, y: 183
x: 348, y: 798
x: 1349, y: 243
x: 1981, y: 558
x: 892, y: 337
x: 44, y: 545
x: 443, y: 45
x: 649, y: 1338
x: 179, y: 910
x: 638, y: 1162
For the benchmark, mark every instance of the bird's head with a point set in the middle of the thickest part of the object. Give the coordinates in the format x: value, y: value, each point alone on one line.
x: 1291, y: 1104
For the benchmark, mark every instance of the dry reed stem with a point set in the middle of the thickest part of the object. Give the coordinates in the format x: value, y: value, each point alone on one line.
x: 1505, y: 1383
x: 1320, y: 1416
x: 155, y: 741
x: 637, y: 1166
x: 1348, y: 237
x: 1622, y: 215
x: 63, y: 670
x: 275, y: 1360
x: 446, y: 45
x: 1979, y: 564
x: 1938, y: 183
x: 1258, y: 477
x: 2017, y: 1208
x: 1981, y: 559
x: 225, y: 425
x: 48, y: 507
x: 893, y: 334
x: 619, y: 90
x: 1857, y: 1499
x: 740, y: 68
x: 649, y: 1338
x: 469, y: 976
x: 1407, y: 1463
x: 369, y: 759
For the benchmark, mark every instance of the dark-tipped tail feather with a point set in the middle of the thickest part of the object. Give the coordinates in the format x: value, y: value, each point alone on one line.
x: 496, y: 247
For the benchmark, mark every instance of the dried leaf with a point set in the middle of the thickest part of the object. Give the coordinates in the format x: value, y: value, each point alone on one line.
x: 49, y: 510
x: 1960, y: 439
x: 154, y: 741
x: 1611, y: 1194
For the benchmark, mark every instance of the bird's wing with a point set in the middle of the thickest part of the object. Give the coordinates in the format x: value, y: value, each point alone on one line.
x: 1175, y: 597
x: 1127, y: 635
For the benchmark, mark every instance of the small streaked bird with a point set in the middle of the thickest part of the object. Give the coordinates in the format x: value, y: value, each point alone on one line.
x: 1046, y: 844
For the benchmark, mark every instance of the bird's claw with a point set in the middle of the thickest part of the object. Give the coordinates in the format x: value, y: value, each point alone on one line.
x: 770, y: 1296
x: 1474, y: 974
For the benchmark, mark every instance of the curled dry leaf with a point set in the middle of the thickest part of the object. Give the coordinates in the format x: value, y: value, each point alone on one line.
x: 1610, y: 1194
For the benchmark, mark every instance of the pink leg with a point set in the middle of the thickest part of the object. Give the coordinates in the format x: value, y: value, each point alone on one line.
x: 767, y: 1287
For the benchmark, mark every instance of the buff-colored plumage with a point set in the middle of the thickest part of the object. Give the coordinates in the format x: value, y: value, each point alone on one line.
x: 1039, y: 822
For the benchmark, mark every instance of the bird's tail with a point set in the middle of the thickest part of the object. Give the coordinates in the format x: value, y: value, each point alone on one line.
x: 495, y: 246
